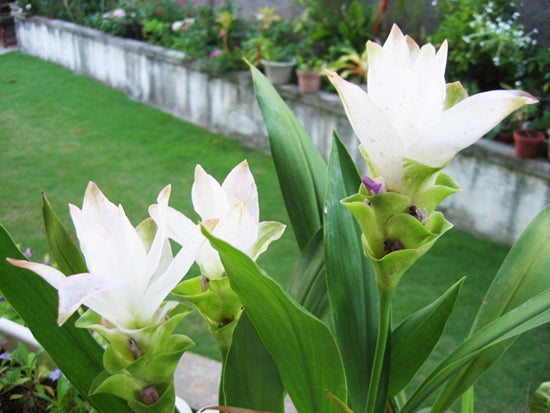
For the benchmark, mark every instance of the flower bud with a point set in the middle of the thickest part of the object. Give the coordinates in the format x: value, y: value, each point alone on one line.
x: 150, y: 395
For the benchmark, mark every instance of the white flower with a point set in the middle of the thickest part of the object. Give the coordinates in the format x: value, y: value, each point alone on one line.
x: 403, y: 115
x: 230, y: 211
x: 119, y: 13
x: 131, y: 270
x: 177, y: 25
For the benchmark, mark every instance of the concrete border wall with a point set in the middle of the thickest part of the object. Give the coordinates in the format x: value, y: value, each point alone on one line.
x: 501, y: 193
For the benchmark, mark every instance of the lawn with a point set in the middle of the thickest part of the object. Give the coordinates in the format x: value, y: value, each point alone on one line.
x: 58, y: 131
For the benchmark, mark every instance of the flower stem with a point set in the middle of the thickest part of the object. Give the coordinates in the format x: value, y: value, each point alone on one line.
x: 384, y: 317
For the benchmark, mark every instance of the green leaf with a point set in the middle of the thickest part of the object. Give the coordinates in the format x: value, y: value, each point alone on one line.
x: 36, y: 302
x: 302, y: 347
x: 522, y: 275
x: 533, y: 313
x: 415, y: 338
x: 300, y: 167
x: 350, y: 280
x: 250, y: 377
x: 64, y: 251
x: 307, y: 284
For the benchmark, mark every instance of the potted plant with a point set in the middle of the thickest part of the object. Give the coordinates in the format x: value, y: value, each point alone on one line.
x: 278, y: 62
x: 527, y: 140
x: 542, y: 123
x: 310, y: 67
x: 308, y: 74
x: 273, y: 46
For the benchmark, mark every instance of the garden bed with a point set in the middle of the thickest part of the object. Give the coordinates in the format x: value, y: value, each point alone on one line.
x: 504, y: 193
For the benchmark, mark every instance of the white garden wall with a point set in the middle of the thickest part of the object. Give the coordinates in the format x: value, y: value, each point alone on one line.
x: 501, y: 193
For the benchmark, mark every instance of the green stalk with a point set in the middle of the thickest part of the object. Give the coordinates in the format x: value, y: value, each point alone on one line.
x: 384, y: 316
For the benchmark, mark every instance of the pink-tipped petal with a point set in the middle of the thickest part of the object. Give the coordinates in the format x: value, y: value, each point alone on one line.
x: 104, y: 295
x: 240, y: 186
x: 51, y: 275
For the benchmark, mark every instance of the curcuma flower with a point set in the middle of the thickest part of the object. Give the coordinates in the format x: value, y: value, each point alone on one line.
x: 131, y: 270
x: 231, y: 212
x: 409, y: 113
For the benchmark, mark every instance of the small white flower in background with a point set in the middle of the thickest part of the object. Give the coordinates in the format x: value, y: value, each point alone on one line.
x: 119, y: 13
x: 177, y: 25
x: 405, y: 115
x: 131, y: 270
x: 230, y: 211
x: 28, y: 6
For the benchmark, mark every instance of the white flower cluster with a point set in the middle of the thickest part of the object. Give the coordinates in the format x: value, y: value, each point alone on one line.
x: 504, y: 36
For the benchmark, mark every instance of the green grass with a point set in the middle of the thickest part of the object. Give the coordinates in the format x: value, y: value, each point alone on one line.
x: 58, y: 131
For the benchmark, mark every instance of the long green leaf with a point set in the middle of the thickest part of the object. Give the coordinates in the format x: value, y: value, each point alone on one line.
x: 522, y: 275
x: 532, y: 314
x: 64, y: 251
x: 307, y: 284
x: 302, y: 346
x: 72, y: 349
x: 250, y: 377
x: 300, y: 167
x: 414, y: 339
x: 350, y: 280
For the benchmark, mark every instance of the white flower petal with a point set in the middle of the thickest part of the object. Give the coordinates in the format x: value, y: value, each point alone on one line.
x: 209, y: 199
x: 51, y: 275
x: 268, y: 232
x: 240, y: 186
x: 238, y: 227
x: 376, y: 134
x: 464, y: 123
x: 107, y: 239
x: 178, y: 268
x: 104, y: 295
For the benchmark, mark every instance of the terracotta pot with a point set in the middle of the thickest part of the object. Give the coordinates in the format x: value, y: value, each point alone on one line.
x: 278, y: 72
x: 308, y: 81
x: 527, y: 142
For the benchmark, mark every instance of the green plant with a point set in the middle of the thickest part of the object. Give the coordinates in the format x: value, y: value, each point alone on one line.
x: 28, y: 384
x: 490, y: 47
x: 72, y: 10
x: 350, y: 64
x: 213, y: 37
x: 123, y: 22
x: 538, y: 75
x: 274, y: 38
x: 158, y: 32
x: 328, y: 23
x: 148, y: 148
x: 166, y: 11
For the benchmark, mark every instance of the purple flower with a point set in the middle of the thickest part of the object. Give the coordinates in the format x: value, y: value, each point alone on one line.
x: 374, y: 186
x: 5, y: 356
x: 28, y: 253
x: 55, y: 375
